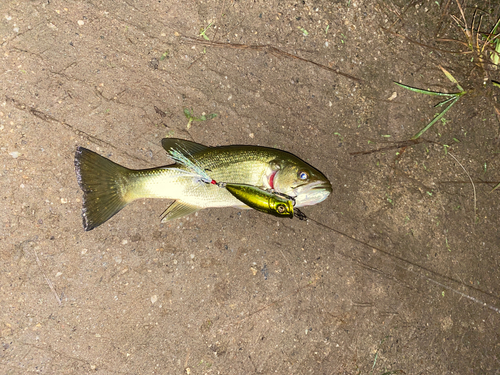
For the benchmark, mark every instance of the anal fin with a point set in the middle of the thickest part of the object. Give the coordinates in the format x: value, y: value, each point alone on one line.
x: 178, y: 209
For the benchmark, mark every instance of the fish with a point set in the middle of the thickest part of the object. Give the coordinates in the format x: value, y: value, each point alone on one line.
x: 108, y: 187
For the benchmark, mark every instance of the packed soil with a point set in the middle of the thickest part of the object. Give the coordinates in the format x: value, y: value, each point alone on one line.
x: 397, y: 272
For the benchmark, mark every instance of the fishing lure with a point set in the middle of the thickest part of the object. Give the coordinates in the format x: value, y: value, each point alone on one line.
x: 181, y: 158
x: 272, y: 203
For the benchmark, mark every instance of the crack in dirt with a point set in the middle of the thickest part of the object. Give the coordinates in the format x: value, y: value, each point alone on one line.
x: 272, y: 50
x: 48, y: 118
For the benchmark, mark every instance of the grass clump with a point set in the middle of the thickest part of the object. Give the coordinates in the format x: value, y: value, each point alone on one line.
x: 191, y: 117
x: 449, y: 100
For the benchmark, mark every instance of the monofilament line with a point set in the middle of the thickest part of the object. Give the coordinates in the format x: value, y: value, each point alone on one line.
x: 472, y: 182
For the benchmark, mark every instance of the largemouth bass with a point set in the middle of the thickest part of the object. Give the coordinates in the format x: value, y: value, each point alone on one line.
x: 109, y: 187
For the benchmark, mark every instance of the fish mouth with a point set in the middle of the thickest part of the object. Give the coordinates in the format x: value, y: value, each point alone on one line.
x: 312, y: 193
x: 322, y: 185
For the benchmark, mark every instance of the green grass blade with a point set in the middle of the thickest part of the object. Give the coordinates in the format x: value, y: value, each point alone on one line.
x: 437, y: 118
x: 445, y: 101
x: 451, y: 78
x: 494, y: 30
x: 426, y: 92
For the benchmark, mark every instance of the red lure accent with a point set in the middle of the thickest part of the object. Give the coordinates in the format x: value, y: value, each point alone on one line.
x: 213, y: 182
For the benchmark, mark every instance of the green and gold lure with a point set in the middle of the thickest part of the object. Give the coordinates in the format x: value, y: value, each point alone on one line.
x: 262, y: 200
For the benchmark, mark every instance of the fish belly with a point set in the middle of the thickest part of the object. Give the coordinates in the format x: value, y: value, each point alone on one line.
x: 178, y: 184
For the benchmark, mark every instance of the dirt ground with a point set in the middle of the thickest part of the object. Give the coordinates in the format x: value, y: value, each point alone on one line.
x: 417, y: 291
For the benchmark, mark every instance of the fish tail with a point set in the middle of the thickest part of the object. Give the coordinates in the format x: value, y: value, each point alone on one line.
x: 104, y: 184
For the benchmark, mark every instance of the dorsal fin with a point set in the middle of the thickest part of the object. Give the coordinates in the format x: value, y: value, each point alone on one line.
x: 187, y: 148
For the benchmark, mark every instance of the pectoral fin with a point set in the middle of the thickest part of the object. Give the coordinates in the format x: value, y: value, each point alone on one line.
x: 178, y: 209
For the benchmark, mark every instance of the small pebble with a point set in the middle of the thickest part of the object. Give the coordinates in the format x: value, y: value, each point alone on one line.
x: 393, y: 96
x: 154, y: 299
x: 80, y: 23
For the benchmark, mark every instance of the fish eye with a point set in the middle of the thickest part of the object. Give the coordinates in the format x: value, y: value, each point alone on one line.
x: 281, y: 208
x: 303, y: 175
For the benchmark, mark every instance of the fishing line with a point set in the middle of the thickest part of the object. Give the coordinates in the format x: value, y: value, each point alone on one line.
x: 442, y: 284
x: 198, y: 171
